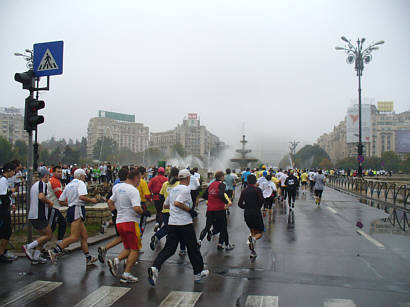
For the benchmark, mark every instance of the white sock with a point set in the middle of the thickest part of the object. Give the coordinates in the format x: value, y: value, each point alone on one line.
x: 36, y: 254
x: 126, y: 274
x: 33, y: 244
x: 116, y: 260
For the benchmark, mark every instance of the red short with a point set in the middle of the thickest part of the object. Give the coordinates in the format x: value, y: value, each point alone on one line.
x: 130, y: 235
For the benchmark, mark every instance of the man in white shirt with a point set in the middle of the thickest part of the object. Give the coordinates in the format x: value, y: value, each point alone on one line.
x: 311, y: 176
x: 38, y: 216
x: 180, y: 227
x: 283, y: 185
x: 194, y: 187
x: 127, y: 201
x: 75, y: 195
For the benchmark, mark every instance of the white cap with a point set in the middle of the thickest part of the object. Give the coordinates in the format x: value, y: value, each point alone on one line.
x: 184, y: 173
x: 79, y: 172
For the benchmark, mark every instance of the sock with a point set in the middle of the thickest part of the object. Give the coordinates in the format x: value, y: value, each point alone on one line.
x: 87, y: 255
x: 36, y: 254
x: 116, y: 260
x: 58, y: 249
x: 59, y: 241
x: 32, y: 244
x: 126, y: 274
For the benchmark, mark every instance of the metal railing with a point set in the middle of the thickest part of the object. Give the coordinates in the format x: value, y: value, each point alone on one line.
x: 390, y: 196
x: 19, y: 217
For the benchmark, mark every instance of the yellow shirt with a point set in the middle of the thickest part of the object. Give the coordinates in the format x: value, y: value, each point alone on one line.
x: 304, y: 177
x: 166, y: 188
x: 143, y: 189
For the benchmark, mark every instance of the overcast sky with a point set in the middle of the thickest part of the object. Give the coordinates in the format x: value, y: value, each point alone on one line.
x: 269, y: 64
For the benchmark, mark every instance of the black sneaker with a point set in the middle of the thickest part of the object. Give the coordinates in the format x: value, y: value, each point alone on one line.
x: 219, y: 247
x: 209, y: 235
x: 102, y: 251
x: 153, y: 242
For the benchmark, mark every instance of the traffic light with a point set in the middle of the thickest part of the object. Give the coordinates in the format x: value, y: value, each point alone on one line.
x: 26, y: 79
x: 31, y: 117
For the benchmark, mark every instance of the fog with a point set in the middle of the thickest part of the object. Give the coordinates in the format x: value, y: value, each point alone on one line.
x: 268, y: 66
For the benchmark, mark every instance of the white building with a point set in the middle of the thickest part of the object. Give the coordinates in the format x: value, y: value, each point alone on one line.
x: 12, y: 124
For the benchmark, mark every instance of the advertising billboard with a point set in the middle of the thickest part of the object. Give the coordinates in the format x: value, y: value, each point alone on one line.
x: 117, y: 116
x: 192, y: 116
x: 385, y: 106
x: 352, y: 124
x: 403, y: 141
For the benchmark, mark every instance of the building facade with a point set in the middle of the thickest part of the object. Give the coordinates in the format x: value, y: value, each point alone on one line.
x: 195, y: 139
x: 12, y: 124
x: 388, y: 132
x: 119, y: 127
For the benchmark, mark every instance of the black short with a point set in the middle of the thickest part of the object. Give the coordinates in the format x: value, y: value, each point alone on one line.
x: 194, y: 195
x: 318, y: 193
x: 268, y: 202
x: 254, y: 220
x: 39, y: 224
x: 304, y: 182
x: 5, y: 225
x: 229, y: 193
x: 74, y: 213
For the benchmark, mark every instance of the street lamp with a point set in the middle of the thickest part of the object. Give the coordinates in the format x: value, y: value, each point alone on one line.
x: 359, y: 55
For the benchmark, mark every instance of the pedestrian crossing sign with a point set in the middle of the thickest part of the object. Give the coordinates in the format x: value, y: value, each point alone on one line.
x: 48, y: 58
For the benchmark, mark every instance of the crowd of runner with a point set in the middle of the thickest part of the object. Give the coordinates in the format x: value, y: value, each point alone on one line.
x: 175, y: 195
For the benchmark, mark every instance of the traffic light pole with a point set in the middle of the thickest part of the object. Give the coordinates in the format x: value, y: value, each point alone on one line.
x: 29, y: 181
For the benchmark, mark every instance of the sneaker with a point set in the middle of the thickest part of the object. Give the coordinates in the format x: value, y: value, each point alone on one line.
x: 182, y: 252
x: 113, y: 267
x: 251, y: 243
x: 209, y: 235
x: 39, y: 260
x: 198, y: 277
x: 128, y: 279
x: 90, y: 260
x: 29, y: 252
x: 53, y: 256
x: 11, y: 256
x: 253, y: 255
x: 152, y: 275
x: 293, y: 205
x: 317, y: 201
x: 153, y: 242
x: 219, y: 247
x: 102, y: 252
x: 156, y: 227
x: 229, y: 247
x: 5, y: 259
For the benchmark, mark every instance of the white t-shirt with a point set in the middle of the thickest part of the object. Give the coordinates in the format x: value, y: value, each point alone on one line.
x: 266, y: 186
x: 193, y: 183
x: 283, y: 179
x: 126, y: 196
x: 73, y: 191
x: 278, y: 175
x: 197, y: 176
x: 35, y: 206
x: 311, y: 175
x: 182, y: 194
x: 4, y: 185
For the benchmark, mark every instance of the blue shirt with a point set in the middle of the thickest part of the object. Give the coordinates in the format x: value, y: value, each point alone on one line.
x: 229, y: 181
x: 245, y: 176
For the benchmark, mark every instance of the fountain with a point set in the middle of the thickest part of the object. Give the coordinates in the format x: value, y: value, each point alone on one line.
x: 243, y: 161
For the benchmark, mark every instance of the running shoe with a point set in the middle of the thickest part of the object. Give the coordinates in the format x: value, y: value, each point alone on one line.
x: 153, y: 242
x: 251, y: 243
x: 53, y: 256
x: 102, y: 252
x: 10, y: 255
x: 90, y: 260
x: 198, y: 277
x: 152, y: 275
x: 182, y: 252
x: 156, y: 227
x: 219, y: 247
x: 39, y: 260
x: 29, y: 252
x: 317, y: 201
x: 253, y: 255
x: 128, y: 279
x: 229, y: 247
x: 113, y: 267
x: 209, y: 235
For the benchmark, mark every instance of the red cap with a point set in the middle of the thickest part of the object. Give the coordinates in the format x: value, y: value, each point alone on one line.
x: 161, y: 170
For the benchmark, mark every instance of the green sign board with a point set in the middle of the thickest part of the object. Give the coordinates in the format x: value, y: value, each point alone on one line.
x: 117, y: 116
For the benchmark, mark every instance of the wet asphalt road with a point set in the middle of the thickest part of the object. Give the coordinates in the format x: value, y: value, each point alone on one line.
x: 320, y: 260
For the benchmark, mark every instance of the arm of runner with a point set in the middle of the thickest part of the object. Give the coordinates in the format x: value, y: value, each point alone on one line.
x: 136, y: 202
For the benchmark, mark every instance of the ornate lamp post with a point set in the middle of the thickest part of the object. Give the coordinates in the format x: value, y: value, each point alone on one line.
x: 359, y: 55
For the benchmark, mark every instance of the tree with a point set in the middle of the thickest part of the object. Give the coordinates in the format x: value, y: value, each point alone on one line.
x: 83, y: 147
x: 55, y: 156
x: 390, y: 161
x: 325, y: 164
x: 44, y: 155
x: 310, y: 156
x: 20, y: 150
x: 105, y: 149
x: 347, y: 163
x: 6, y: 151
x: 70, y: 156
x: 372, y: 163
x: 405, y: 165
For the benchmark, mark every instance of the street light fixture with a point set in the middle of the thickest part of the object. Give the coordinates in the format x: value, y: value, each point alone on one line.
x: 359, y: 55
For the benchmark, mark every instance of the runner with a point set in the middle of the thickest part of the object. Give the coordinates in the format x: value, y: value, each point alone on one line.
x: 320, y: 181
x: 291, y: 184
x: 75, y: 194
x: 38, y: 216
x: 216, y: 213
x: 180, y: 228
x: 251, y: 200
x: 245, y: 177
x: 164, y: 193
x: 102, y: 250
x: 311, y: 176
x: 229, y: 182
x: 283, y: 185
x: 155, y: 186
x: 304, y: 180
x: 194, y: 186
x: 127, y: 201
x: 268, y: 188
x: 145, y: 195
x: 8, y: 171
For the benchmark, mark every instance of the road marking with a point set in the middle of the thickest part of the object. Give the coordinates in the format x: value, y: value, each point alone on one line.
x: 29, y: 293
x: 104, y: 296
x: 371, y: 267
x: 370, y: 238
x: 261, y: 301
x: 331, y: 209
x: 335, y: 302
x: 181, y: 299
